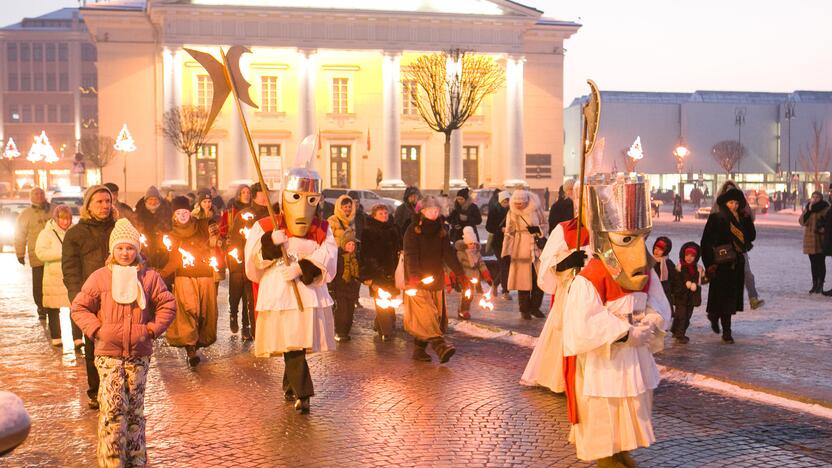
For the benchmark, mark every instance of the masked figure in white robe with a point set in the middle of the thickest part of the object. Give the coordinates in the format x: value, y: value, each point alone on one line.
x: 614, y: 320
x: 558, y: 264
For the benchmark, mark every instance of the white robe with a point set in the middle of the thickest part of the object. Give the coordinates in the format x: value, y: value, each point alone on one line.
x: 545, y: 366
x: 281, y: 326
x: 614, y: 381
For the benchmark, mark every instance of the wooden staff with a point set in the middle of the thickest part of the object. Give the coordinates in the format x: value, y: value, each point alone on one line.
x: 256, y: 160
x: 592, y: 117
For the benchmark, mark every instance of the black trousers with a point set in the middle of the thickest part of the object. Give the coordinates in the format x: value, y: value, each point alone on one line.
x: 818, y: 263
x: 92, y: 373
x: 681, y: 320
x: 37, y: 288
x: 345, y: 296
x: 502, y: 278
x: 530, y: 300
x: 296, y: 376
x: 53, y: 320
x: 240, y: 294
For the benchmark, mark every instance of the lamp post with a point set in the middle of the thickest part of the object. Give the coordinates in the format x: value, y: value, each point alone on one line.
x: 739, y: 121
x: 790, y: 114
x: 680, y: 153
x: 125, y: 144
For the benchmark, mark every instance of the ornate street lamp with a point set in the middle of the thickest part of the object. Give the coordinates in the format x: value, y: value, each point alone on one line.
x: 680, y: 153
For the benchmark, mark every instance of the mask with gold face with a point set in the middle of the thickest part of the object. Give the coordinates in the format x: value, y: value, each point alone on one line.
x: 300, y: 199
x: 618, y: 217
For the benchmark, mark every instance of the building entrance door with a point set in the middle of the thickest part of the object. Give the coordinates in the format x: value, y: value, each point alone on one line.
x: 339, y: 160
x: 470, y: 165
x: 206, y: 166
x: 411, y: 160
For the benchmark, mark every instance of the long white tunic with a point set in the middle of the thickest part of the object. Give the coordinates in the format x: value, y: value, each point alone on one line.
x: 545, y: 366
x: 614, y: 381
x: 281, y: 326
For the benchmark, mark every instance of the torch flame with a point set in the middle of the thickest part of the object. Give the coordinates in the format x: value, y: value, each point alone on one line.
x: 468, y: 293
x: 187, y: 258
x: 143, y: 240
x: 427, y: 280
x: 474, y: 280
x: 485, y: 301
x: 213, y: 263
x: 385, y: 300
x: 235, y: 255
x: 248, y: 216
x: 244, y: 231
x: 410, y: 292
x: 168, y: 243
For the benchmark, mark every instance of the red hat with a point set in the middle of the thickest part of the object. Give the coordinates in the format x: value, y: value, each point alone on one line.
x: 691, y: 250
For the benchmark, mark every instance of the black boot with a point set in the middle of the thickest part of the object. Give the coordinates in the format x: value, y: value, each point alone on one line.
x: 442, y: 349
x: 524, y: 302
x: 726, y: 330
x: 302, y: 405
x: 814, y: 286
x: 419, y: 353
x: 234, y: 325
x: 714, y: 324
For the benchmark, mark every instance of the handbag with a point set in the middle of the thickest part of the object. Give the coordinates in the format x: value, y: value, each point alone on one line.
x: 724, y: 253
x: 399, y: 276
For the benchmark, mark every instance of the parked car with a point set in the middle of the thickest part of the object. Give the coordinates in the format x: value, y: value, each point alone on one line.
x: 703, y: 212
x: 366, y: 198
x: 9, y: 210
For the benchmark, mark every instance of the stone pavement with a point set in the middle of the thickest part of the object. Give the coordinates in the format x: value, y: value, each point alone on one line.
x: 783, y: 348
x: 373, y: 407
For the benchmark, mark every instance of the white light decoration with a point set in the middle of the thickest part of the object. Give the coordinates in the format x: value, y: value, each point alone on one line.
x: 11, y: 150
x: 49, y: 155
x: 125, y: 141
x: 635, y: 152
x: 36, y: 151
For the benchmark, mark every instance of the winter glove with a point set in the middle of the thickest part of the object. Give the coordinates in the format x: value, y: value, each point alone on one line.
x: 21, y: 260
x: 653, y: 319
x: 279, y: 237
x: 289, y: 273
x: 270, y: 250
x: 309, y: 271
x: 691, y: 285
x: 640, y: 335
x: 575, y: 260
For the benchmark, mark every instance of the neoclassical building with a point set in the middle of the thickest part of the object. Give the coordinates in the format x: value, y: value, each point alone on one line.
x: 331, y: 68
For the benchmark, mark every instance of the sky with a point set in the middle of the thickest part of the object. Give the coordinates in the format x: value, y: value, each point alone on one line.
x: 662, y: 45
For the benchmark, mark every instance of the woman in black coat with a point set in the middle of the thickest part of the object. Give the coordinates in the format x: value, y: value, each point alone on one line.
x: 377, y: 262
x: 729, y: 230
x: 495, y: 225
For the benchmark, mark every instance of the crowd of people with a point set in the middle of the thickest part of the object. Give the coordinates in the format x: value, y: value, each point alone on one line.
x: 134, y: 274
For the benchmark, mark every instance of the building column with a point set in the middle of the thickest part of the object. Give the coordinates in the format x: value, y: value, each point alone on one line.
x: 515, y: 162
x: 75, y: 65
x: 306, y: 93
x: 175, y: 164
x: 241, y: 167
x: 457, y: 179
x: 391, y: 166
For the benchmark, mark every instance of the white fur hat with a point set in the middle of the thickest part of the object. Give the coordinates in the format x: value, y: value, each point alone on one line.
x: 468, y: 235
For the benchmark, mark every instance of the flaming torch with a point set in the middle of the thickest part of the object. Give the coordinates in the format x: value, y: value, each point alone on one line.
x: 485, y: 301
x: 244, y: 231
x: 427, y: 280
x: 385, y: 300
x: 213, y: 263
x: 247, y: 216
x: 235, y: 255
x: 168, y: 243
x: 143, y: 240
x: 187, y: 258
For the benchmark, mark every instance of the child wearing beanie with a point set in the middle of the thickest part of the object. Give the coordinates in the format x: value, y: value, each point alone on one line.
x: 346, y: 285
x: 114, y: 308
x: 687, y: 290
x: 469, y: 255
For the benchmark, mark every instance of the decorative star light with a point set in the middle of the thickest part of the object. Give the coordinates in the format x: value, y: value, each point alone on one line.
x: 11, y: 150
x: 36, y: 151
x: 49, y: 155
x: 635, y: 151
x: 125, y: 141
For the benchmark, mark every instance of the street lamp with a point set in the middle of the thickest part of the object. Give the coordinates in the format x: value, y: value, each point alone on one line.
x: 680, y: 153
x: 125, y: 144
x: 790, y: 114
x: 739, y: 121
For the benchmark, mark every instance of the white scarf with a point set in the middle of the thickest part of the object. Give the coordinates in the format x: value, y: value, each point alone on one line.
x: 662, y: 261
x: 126, y: 287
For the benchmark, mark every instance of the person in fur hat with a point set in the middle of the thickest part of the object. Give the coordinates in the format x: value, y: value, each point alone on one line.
x: 687, y: 290
x: 464, y: 213
x: 153, y: 219
x: 238, y: 292
x: 346, y: 285
x: 123, y: 306
x: 469, y: 255
x: 194, y: 287
x: 664, y: 266
x: 525, y: 226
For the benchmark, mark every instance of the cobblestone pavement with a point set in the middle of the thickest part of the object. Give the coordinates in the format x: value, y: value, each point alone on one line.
x: 373, y: 407
x: 782, y: 348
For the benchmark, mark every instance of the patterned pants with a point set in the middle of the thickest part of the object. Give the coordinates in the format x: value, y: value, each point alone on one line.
x: 121, y: 420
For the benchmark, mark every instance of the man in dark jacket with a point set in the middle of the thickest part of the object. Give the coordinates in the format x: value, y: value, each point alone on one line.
x: 85, y: 250
x: 378, y: 259
x: 465, y: 213
x: 120, y: 209
x: 153, y: 219
x: 405, y: 212
x: 563, y: 209
x: 30, y: 223
x: 495, y: 226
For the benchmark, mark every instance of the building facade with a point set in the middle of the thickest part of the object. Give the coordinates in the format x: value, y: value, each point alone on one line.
x: 333, y: 69
x: 775, y: 130
x: 49, y: 84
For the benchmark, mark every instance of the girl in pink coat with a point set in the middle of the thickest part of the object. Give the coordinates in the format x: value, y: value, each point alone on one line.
x: 114, y: 309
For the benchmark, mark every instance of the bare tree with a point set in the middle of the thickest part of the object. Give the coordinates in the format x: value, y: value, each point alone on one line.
x: 815, y: 158
x: 186, y: 127
x: 98, y: 151
x: 451, y: 86
x: 727, y: 154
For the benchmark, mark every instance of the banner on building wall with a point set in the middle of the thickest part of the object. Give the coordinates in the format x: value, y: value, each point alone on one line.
x: 272, y: 168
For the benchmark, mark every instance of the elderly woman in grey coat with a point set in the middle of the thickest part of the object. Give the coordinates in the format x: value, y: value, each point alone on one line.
x: 525, y: 224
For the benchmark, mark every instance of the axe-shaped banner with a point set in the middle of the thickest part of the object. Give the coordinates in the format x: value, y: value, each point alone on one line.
x: 227, y: 78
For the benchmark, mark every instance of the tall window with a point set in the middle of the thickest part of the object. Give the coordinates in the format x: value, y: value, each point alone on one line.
x: 470, y: 165
x: 340, y: 95
x: 39, y: 113
x: 14, y: 114
x: 38, y: 80
x: 25, y: 82
x: 66, y: 113
x: 63, y: 82
x: 410, y: 91
x: 206, y: 166
x: 24, y: 52
x: 339, y: 159
x: 88, y: 53
x: 12, y: 83
x: 269, y: 150
x: 204, y: 91
x: 52, y: 113
x: 268, y: 93
x: 50, y: 52
x: 37, y: 52
x: 63, y: 52
x: 50, y: 82
x: 11, y: 52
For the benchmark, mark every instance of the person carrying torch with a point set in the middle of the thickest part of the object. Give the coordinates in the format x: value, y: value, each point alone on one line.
x: 469, y: 255
x: 427, y: 250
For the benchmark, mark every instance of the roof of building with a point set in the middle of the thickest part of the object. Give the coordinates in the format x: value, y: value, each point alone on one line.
x: 727, y: 97
x: 54, y: 20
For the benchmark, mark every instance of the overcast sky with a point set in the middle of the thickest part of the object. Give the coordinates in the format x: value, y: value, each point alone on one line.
x: 661, y: 45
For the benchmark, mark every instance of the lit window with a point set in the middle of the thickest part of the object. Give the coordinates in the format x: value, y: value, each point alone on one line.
x: 340, y: 95
x: 204, y: 91
x: 269, y: 150
x: 410, y: 91
x: 268, y: 93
